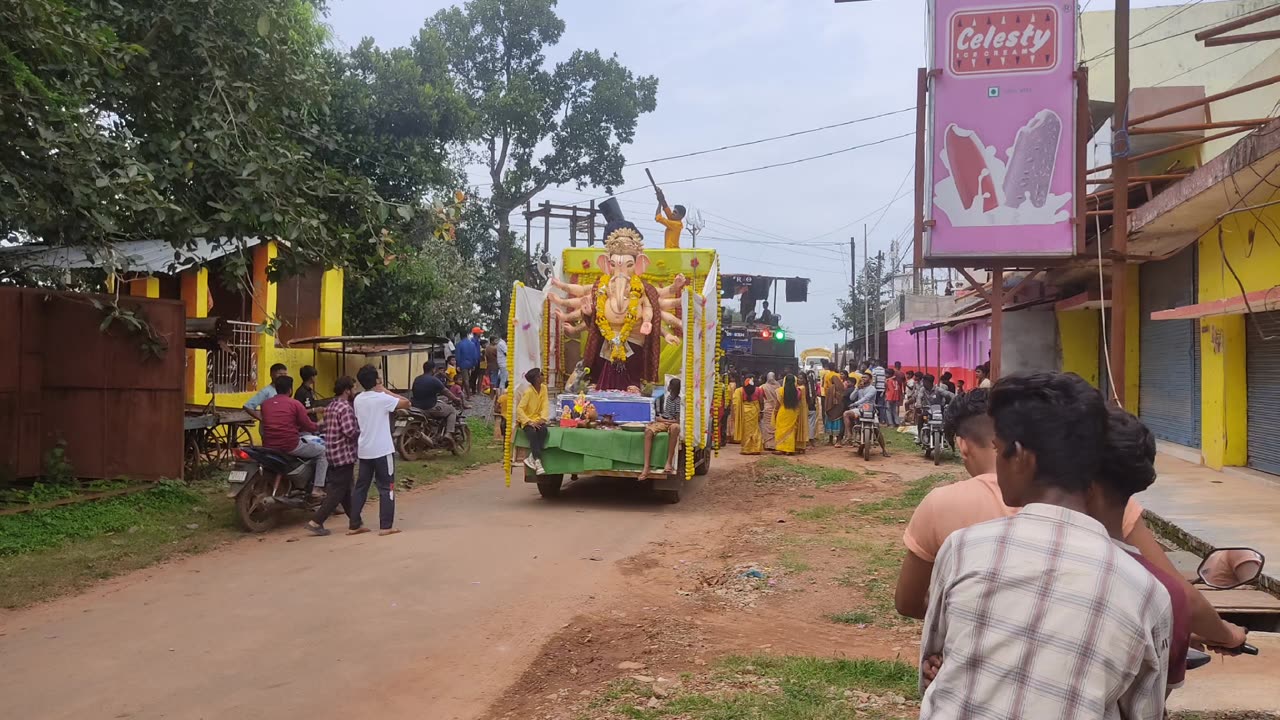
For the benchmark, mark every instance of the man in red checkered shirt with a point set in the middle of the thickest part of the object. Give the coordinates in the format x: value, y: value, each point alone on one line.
x: 340, y: 436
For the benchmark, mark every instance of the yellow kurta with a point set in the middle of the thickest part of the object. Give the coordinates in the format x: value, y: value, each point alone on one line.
x: 748, y: 422
x: 790, y: 425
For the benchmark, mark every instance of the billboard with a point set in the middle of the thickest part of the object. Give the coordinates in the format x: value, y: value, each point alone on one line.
x: 1000, y: 176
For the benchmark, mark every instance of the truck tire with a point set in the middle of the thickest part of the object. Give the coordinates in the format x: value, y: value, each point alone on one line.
x: 549, y: 486
x: 670, y: 497
x: 702, y: 463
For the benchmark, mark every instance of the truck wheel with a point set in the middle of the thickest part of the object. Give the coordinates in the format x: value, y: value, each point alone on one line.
x: 549, y: 486
x: 670, y: 497
x: 703, y: 464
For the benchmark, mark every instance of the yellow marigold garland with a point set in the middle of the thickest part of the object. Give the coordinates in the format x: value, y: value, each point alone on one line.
x: 618, y: 341
x: 718, y: 400
x: 509, y: 440
x: 689, y: 397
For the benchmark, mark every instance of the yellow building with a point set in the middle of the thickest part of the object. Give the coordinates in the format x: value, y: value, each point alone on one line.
x: 1203, y: 335
x: 207, y: 278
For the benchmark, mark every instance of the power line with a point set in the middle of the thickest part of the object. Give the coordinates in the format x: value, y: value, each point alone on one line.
x: 858, y: 220
x: 766, y: 167
x: 896, y: 196
x: 1208, y: 62
x: 769, y: 139
x: 1112, y: 50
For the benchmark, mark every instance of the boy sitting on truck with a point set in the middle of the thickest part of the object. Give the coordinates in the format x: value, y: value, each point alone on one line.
x: 667, y: 421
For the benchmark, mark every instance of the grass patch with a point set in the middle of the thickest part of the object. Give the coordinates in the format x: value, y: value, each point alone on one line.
x: 899, y: 507
x: 779, y: 468
x: 793, y: 563
x: 877, y: 576
x: 856, y: 617
x: 442, y: 464
x: 898, y: 442
x: 64, y: 549
x: 817, y: 513
x: 807, y: 689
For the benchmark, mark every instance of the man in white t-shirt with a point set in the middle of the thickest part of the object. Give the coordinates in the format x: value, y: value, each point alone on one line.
x: 374, y: 451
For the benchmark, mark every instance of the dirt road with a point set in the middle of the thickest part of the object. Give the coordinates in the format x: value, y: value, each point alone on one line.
x: 434, y: 622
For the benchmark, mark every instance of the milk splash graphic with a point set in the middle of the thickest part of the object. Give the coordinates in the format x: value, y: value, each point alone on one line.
x: 987, y: 180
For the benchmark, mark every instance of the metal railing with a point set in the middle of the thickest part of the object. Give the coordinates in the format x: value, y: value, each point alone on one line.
x: 235, y: 370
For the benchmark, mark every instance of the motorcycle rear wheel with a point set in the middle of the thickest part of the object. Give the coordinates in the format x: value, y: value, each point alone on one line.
x: 408, y: 447
x: 252, y: 513
x: 937, y: 451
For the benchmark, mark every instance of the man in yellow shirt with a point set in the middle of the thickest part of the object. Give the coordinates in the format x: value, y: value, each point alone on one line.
x: 531, y: 416
x: 673, y: 222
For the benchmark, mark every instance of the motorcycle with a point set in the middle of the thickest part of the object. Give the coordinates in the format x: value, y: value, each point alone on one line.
x: 1224, y: 569
x: 265, y: 483
x: 931, y: 435
x: 415, y: 434
x: 868, y: 429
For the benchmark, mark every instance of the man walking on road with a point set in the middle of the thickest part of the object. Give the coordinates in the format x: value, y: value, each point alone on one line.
x: 375, y: 450
x: 468, y: 354
x: 340, y: 437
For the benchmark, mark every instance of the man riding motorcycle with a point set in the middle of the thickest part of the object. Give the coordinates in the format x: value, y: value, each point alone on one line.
x: 430, y: 397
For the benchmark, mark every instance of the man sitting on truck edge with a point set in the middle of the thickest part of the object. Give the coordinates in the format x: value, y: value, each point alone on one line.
x: 667, y: 421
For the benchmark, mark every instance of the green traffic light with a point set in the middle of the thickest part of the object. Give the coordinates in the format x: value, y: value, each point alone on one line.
x: 779, y: 335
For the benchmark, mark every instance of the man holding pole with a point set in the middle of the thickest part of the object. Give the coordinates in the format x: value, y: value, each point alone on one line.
x: 673, y: 220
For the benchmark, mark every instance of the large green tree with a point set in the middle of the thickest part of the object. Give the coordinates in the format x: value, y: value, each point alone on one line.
x: 535, y: 124
x: 177, y: 120
x: 865, y: 302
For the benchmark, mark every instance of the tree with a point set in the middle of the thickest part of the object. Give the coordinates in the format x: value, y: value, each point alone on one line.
x: 425, y: 289
x: 873, y: 285
x: 155, y: 119
x: 534, y: 127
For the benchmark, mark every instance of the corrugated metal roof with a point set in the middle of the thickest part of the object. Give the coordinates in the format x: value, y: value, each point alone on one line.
x: 141, y: 256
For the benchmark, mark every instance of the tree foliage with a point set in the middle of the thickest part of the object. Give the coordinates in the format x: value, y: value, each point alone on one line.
x: 533, y: 125
x: 428, y: 288
x: 176, y: 120
x: 874, y: 284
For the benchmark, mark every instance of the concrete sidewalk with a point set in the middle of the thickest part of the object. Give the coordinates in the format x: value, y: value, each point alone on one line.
x: 1212, y: 509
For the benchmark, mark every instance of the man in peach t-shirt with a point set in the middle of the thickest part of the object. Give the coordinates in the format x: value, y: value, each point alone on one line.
x: 959, y: 505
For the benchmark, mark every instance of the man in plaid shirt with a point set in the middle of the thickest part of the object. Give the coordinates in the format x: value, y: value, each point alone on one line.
x: 340, y: 435
x: 1040, y: 615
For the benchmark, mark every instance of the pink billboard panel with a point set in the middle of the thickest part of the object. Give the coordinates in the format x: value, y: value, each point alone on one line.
x: 1002, y: 127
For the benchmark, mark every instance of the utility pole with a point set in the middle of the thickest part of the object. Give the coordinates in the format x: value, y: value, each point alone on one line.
x: 879, y: 304
x: 866, y: 300
x: 853, y: 289
x: 1120, y: 200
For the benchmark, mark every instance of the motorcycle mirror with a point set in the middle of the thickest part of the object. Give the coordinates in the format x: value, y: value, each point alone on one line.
x: 1226, y: 568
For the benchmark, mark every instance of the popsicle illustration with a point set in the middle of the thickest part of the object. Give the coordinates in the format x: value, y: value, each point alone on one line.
x: 1032, y: 160
x: 969, y: 169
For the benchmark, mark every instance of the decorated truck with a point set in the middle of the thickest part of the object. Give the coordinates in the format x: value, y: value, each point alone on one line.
x: 609, y: 331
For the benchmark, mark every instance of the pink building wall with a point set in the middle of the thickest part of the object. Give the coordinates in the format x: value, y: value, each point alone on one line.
x: 962, y: 348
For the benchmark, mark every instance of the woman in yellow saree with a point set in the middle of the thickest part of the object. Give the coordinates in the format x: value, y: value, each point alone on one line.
x: 792, y: 414
x: 731, y: 426
x: 746, y: 403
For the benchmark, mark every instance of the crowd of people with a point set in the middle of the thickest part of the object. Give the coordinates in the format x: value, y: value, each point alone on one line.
x: 761, y: 414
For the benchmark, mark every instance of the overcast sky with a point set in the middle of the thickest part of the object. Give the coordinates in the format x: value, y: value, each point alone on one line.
x: 736, y: 70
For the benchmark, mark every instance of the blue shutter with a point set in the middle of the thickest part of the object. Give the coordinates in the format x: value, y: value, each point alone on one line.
x: 1169, y: 386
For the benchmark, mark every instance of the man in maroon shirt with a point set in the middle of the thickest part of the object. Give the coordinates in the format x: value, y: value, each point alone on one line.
x: 283, y: 422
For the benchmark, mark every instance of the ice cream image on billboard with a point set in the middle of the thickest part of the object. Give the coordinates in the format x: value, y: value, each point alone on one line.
x: 983, y: 190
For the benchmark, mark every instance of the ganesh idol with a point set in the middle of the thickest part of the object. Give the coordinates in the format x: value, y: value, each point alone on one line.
x: 625, y: 317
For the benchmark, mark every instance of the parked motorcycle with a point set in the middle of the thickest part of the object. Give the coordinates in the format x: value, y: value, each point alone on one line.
x: 931, y: 437
x: 265, y: 483
x: 415, y: 434
x: 868, y: 429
